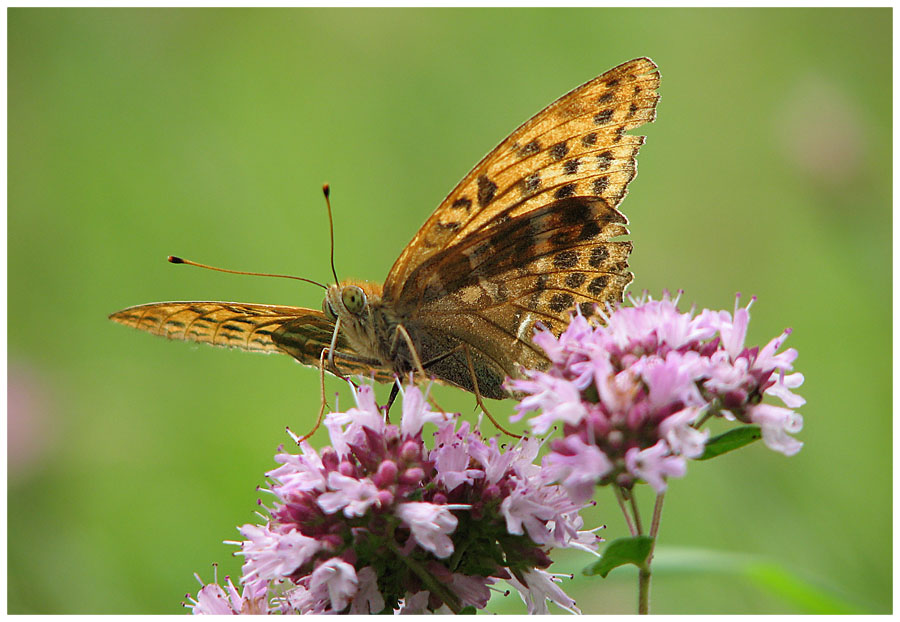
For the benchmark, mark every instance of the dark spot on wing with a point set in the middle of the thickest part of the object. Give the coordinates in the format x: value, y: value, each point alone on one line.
x: 574, y: 212
x: 571, y: 166
x: 480, y: 249
x: 522, y: 246
x: 598, y: 285
x: 564, y: 192
x: 588, y: 139
x: 599, y: 185
x: 603, y: 116
x: 462, y: 203
x: 604, y: 159
x: 599, y: 254
x: 486, y: 190
x: 606, y: 97
x: 561, y: 302
x: 566, y: 259
x: 589, y: 231
x: 530, y: 149
x: 575, y: 280
x: 619, y: 266
x: 531, y: 183
x: 559, y: 150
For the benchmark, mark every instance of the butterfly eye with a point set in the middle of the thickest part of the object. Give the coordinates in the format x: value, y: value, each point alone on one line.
x: 354, y: 298
x: 328, y: 311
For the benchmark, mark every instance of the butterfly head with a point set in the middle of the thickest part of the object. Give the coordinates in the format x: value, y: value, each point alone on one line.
x: 350, y: 304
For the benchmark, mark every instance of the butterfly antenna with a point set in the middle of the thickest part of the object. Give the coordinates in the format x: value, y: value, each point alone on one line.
x: 326, y: 190
x: 174, y: 259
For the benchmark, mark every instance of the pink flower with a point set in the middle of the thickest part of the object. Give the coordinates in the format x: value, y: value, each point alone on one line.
x: 578, y: 466
x: 269, y: 555
x: 776, y: 424
x: 558, y: 398
x: 416, y: 412
x: 654, y: 464
x: 353, y: 495
x: 473, y: 591
x: 681, y: 437
x: 354, y: 527
x: 630, y: 395
x: 299, y: 473
x: 213, y: 600
x: 368, y: 599
x: 430, y: 525
x: 537, y: 587
x: 452, y: 461
x: 338, y: 578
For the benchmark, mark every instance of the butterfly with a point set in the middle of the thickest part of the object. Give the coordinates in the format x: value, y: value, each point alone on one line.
x: 527, y: 235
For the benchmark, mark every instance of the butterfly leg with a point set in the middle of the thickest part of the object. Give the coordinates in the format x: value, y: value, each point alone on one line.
x: 323, y: 403
x: 331, y: 366
x: 401, y: 332
x: 395, y: 389
x: 478, y: 398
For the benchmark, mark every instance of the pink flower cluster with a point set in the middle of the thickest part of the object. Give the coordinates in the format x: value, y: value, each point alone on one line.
x: 378, y: 522
x: 631, y: 395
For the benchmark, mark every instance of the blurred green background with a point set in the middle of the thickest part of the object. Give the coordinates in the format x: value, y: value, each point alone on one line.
x: 134, y: 134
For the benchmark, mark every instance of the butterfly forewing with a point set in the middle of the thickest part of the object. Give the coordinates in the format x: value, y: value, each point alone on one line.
x: 236, y: 325
x: 301, y: 333
x: 577, y: 146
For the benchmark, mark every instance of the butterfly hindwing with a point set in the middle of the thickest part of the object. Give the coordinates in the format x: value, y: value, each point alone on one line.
x: 305, y: 337
x: 533, y: 269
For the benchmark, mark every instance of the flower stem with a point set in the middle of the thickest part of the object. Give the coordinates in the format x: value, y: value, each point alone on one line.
x: 644, y: 591
x: 696, y: 425
x: 620, y: 497
x: 637, y: 513
x: 644, y: 573
x: 657, y: 512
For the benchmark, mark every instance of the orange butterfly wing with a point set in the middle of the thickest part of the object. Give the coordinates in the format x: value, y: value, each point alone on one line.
x: 528, y: 233
x: 301, y: 333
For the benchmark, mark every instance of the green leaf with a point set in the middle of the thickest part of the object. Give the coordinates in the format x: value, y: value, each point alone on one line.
x: 623, y: 551
x: 730, y: 440
x: 468, y: 611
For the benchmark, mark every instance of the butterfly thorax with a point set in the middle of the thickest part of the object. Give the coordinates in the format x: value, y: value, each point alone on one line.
x: 358, y: 311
